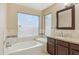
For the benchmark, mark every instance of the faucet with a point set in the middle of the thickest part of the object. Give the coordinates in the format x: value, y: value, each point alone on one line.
x: 8, y: 44
x: 62, y: 34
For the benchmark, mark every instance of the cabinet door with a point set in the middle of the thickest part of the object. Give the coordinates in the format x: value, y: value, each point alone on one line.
x: 74, y: 52
x: 50, y: 48
x: 61, y: 50
x: 50, y: 40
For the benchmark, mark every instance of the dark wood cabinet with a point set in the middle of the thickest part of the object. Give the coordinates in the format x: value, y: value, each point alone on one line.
x: 58, y: 47
x: 61, y: 50
x: 62, y: 43
x: 74, y: 49
x: 50, y: 48
x: 61, y: 47
x: 74, y: 52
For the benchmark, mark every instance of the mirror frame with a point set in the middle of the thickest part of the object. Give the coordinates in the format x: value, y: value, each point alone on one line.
x: 73, y: 18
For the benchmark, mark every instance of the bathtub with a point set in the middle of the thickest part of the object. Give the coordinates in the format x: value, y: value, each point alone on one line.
x: 26, y: 48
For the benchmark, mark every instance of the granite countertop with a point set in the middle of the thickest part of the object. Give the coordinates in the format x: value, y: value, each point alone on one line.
x: 67, y: 39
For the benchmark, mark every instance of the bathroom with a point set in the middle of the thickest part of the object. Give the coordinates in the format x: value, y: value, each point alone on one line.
x: 35, y: 37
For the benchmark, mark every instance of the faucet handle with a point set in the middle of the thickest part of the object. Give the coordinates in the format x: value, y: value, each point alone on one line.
x: 7, y: 42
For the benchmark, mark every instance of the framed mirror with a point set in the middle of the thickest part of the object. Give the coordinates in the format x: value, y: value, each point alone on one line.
x: 66, y: 18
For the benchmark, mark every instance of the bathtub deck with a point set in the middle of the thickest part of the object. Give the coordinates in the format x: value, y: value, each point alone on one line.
x: 27, y: 48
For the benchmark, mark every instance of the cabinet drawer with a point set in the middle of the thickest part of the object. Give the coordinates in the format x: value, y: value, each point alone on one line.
x: 50, y: 48
x: 74, y: 52
x: 61, y: 50
x: 74, y: 46
x: 63, y: 43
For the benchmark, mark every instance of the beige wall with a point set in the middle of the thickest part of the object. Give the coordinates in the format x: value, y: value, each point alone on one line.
x: 12, y: 9
x: 3, y: 16
x: 55, y: 32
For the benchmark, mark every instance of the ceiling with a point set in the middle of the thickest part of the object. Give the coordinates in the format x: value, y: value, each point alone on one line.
x: 38, y: 6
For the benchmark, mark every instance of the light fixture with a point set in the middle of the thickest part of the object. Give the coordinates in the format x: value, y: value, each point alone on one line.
x: 69, y: 4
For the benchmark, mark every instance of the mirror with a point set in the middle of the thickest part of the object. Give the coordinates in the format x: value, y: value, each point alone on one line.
x: 66, y: 18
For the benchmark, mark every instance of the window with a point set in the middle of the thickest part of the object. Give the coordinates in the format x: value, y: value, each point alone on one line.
x: 27, y: 25
x: 48, y: 24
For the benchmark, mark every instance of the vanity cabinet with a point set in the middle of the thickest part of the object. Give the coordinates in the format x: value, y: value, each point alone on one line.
x: 61, y: 50
x: 74, y: 49
x: 51, y: 46
x: 74, y: 52
x: 59, y: 47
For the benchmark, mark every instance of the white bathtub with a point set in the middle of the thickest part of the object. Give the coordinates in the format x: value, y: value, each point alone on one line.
x: 26, y: 48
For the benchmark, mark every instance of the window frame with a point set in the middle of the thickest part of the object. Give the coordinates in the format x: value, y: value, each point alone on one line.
x: 28, y: 14
x: 44, y: 20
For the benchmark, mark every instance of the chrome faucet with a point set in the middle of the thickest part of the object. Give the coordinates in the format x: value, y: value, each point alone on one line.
x: 62, y: 34
x: 8, y: 44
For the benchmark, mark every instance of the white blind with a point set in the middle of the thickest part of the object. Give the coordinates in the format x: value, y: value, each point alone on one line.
x: 27, y: 25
